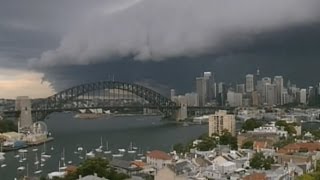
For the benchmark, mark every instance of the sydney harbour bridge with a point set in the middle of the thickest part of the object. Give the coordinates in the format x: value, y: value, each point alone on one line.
x: 109, y: 95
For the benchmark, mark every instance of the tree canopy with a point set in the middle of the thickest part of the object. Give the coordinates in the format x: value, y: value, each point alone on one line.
x: 259, y: 161
x: 7, y: 125
x: 250, y: 124
x: 97, y: 166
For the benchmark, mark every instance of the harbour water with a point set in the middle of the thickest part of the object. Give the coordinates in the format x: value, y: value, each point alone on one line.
x: 145, y: 132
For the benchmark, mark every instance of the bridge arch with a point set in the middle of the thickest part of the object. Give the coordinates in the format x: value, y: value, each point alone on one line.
x: 58, y: 100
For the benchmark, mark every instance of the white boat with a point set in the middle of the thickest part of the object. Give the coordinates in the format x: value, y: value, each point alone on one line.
x: 47, y: 156
x: 107, y: 151
x: 37, y: 162
x: 90, y: 154
x: 117, y: 155
x: 59, y: 174
x: 2, y: 156
x: 142, y: 157
x: 52, y: 148
x: 22, y: 150
x: 35, y: 149
x: 131, y: 151
x: 17, y: 156
x: 69, y: 162
x: 38, y: 171
x: 99, y: 149
x: 63, y: 167
x: 21, y: 168
x: 122, y: 150
x: 80, y: 148
x: 3, y: 165
x: 140, y: 153
x: 44, y: 150
x: 2, y: 153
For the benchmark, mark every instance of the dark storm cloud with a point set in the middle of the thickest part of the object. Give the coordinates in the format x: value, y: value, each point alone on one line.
x: 292, y: 52
x: 78, y: 41
x: 28, y: 28
x: 163, y: 29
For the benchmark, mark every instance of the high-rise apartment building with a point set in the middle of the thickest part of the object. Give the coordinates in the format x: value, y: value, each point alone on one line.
x: 303, y: 96
x: 210, y: 85
x: 221, y: 121
x: 234, y: 99
x: 240, y: 88
x: 249, y: 83
x: 278, y: 81
x: 264, y: 82
x: 270, y: 94
x: 201, y: 85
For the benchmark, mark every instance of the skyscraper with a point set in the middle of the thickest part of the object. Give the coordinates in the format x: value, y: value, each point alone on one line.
x: 234, y: 99
x: 249, y: 83
x: 264, y: 82
x: 303, y: 96
x: 270, y: 94
x: 240, y: 88
x: 201, y: 86
x: 210, y: 85
x: 278, y: 81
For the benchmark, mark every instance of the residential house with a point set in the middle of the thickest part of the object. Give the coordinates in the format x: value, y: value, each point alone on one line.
x: 158, y: 159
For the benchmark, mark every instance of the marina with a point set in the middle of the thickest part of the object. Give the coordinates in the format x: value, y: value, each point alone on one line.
x: 74, y: 141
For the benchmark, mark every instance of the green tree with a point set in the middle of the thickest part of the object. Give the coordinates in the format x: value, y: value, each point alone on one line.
x: 268, y: 162
x: 227, y: 139
x: 247, y: 145
x: 250, y: 124
x: 207, y: 144
x: 259, y: 161
x: 306, y: 177
x: 92, y: 166
x: 289, y: 127
x: 281, y: 123
x: 7, y: 125
x: 97, y: 166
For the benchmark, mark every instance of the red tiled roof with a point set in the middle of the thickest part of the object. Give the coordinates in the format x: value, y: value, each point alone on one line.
x: 156, y: 154
x: 259, y: 144
x: 255, y: 176
x: 296, y: 147
x: 138, y: 164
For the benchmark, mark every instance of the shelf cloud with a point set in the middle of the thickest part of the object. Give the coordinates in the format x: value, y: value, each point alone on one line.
x: 158, y: 30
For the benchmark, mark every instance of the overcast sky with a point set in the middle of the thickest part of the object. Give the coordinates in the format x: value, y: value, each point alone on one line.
x: 67, y: 42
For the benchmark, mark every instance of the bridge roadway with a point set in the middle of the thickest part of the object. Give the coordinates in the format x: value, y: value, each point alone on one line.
x: 190, y: 109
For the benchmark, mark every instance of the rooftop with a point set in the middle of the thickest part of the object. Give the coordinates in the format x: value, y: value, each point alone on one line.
x: 156, y: 154
x: 299, y: 147
x: 256, y: 176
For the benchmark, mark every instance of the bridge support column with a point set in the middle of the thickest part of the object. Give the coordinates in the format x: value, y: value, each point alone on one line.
x: 182, y: 112
x: 23, y: 104
x: 147, y: 111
